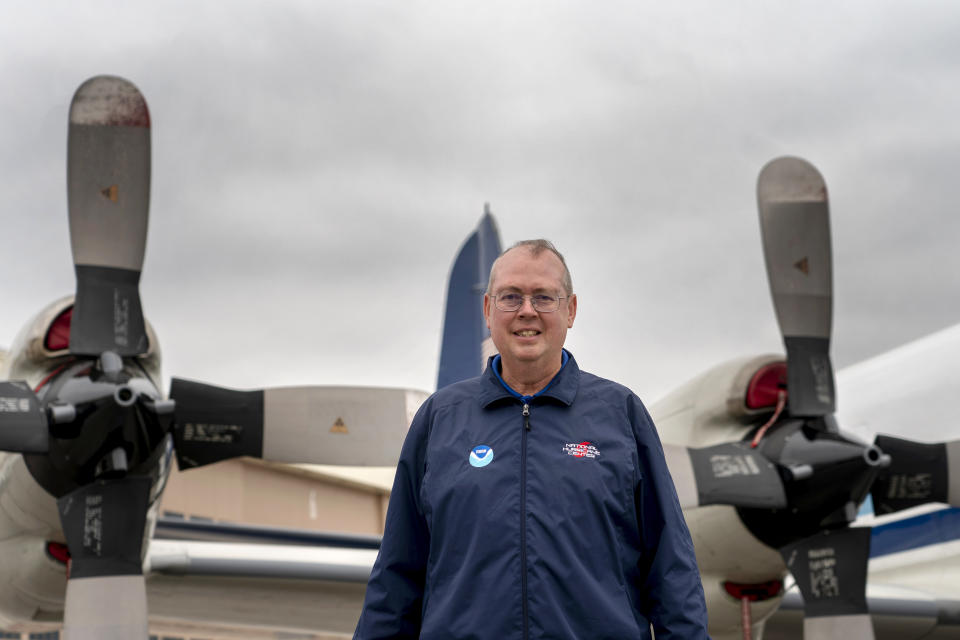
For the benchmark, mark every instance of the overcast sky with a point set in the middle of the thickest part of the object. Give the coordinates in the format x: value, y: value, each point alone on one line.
x: 316, y: 166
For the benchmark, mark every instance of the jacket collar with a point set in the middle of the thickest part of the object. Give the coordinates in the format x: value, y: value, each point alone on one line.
x: 562, y: 388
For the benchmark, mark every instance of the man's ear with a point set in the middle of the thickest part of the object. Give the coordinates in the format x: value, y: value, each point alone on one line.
x: 571, y: 310
x: 486, y: 309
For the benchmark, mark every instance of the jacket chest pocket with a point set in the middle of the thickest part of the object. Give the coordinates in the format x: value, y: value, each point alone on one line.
x: 583, y: 480
x: 468, y: 477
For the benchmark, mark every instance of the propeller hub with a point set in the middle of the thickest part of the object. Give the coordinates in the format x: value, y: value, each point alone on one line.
x: 105, y: 423
x: 124, y: 395
x: 826, y: 475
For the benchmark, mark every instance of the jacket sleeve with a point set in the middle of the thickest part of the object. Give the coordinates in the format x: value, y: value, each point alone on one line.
x: 672, y: 591
x: 394, y: 598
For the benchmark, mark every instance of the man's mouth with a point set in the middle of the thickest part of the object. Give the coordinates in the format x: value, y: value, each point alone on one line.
x: 526, y: 333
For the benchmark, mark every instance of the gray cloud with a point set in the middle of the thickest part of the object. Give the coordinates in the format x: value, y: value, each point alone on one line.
x: 316, y: 166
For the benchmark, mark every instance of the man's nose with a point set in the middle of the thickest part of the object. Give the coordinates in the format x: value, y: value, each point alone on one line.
x: 526, y: 307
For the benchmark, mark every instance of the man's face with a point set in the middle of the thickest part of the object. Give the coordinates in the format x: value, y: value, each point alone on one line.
x: 529, y: 337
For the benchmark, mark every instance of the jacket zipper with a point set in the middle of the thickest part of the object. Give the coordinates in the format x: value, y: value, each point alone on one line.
x: 523, y: 520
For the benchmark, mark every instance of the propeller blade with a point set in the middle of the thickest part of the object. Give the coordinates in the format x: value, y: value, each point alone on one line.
x: 795, y: 224
x: 23, y: 424
x: 730, y: 473
x: 918, y: 473
x: 108, y: 193
x: 831, y: 571
x: 320, y: 425
x: 104, y: 525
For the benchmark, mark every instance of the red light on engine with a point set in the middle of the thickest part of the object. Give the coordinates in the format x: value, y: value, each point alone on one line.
x: 754, y: 592
x: 59, y: 552
x: 765, y: 384
x: 58, y: 335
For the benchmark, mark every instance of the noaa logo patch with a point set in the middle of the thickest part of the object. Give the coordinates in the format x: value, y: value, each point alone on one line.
x: 481, y: 456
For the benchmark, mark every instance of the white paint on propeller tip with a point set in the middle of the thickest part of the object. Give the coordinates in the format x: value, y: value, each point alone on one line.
x: 105, y: 608
x: 109, y: 101
x: 684, y: 479
x: 337, y: 425
x: 791, y: 179
x: 838, y: 627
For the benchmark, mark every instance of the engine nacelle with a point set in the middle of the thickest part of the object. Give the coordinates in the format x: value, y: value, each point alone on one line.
x: 714, y: 407
x: 710, y: 409
x: 34, y: 578
x: 41, y: 347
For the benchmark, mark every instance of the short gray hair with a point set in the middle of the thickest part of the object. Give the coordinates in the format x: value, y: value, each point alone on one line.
x: 536, y: 247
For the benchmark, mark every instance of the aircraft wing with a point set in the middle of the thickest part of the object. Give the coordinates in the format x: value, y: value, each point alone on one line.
x: 296, y: 582
x: 907, y: 392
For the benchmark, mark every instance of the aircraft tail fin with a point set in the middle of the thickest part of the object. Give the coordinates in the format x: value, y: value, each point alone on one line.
x: 466, y: 341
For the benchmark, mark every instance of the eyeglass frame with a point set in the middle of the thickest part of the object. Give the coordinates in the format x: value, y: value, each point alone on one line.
x: 496, y: 299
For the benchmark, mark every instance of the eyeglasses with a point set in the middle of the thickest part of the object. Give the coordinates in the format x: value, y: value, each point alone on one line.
x: 541, y: 302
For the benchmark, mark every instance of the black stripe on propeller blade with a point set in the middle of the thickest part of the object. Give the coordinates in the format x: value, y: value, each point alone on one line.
x: 213, y: 423
x: 918, y: 473
x: 831, y: 571
x: 23, y: 424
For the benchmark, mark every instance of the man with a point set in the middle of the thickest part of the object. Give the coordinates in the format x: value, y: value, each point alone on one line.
x: 533, y: 501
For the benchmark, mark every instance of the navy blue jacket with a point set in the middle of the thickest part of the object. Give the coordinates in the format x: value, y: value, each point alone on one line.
x: 563, y: 523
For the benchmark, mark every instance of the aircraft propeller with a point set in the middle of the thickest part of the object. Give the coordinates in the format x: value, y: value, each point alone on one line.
x: 827, y: 557
x: 97, y: 433
x: 797, y: 481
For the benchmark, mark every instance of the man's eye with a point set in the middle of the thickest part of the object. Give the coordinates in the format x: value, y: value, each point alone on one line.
x: 544, y: 299
x: 511, y: 298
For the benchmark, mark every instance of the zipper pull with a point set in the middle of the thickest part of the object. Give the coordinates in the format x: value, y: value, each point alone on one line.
x: 526, y: 416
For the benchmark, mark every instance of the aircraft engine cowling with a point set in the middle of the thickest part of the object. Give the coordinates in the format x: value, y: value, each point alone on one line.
x: 723, y: 405
x: 116, y: 422
x: 714, y: 407
x: 732, y: 424
x: 42, y: 346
